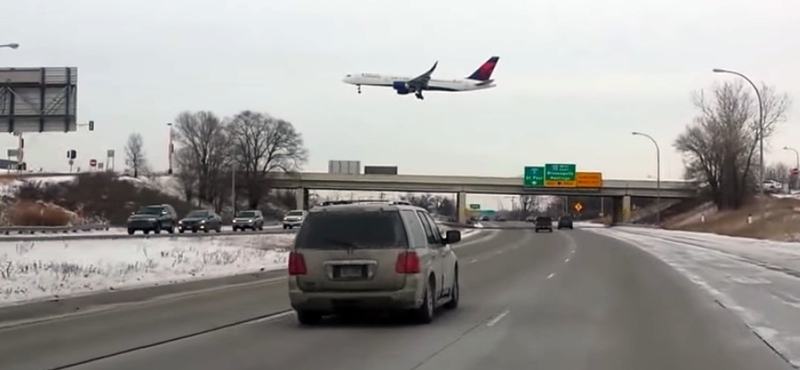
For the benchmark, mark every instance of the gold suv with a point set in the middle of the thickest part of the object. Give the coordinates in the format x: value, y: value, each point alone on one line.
x: 380, y: 255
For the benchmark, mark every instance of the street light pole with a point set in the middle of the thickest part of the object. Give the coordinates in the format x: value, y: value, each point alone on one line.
x: 233, y: 190
x: 760, y: 130
x: 171, y: 148
x: 12, y: 46
x: 796, y: 158
x: 658, y: 175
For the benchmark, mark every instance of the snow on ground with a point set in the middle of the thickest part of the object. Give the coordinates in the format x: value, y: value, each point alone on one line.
x: 56, y: 268
x: 759, y: 280
x: 166, y: 184
x: 9, y: 187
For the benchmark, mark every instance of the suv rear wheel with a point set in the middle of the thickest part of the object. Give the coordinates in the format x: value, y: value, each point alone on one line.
x: 424, y: 314
x: 308, y: 317
x: 455, y: 294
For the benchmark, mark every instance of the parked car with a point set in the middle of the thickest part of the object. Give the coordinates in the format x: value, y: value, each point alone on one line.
x: 200, y: 220
x: 565, y: 222
x: 252, y: 220
x: 153, y: 218
x: 294, y: 219
x: 543, y: 223
x: 376, y: 256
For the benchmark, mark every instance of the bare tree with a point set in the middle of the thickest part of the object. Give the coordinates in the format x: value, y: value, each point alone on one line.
x: 262, y: 144
x: 719, y: 148
x: 134, y: 154
x: 204, y: 155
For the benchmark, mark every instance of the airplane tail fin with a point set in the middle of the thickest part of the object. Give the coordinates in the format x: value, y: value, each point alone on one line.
x: 484, y: 73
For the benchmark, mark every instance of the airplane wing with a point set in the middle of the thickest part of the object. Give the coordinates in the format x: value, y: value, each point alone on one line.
x: 420, y: 82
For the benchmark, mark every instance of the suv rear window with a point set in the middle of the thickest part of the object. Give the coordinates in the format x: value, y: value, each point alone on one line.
x: 150, y: 210
x: 358, y: 229
x: 543, y: 220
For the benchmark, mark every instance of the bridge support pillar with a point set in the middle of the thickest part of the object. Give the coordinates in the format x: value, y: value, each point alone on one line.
x: 621, y: 209
x: 461, y: 207
x: 301, y: 198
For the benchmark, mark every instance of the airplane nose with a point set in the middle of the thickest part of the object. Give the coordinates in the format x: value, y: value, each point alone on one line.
x: 346, y: 79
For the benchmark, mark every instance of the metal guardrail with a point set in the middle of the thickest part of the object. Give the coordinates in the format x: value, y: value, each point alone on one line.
x: 8, y: 230
x: 124, y: 235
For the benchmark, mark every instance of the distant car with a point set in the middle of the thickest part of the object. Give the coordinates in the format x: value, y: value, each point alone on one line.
x: 153, y: 218
x: 529, y: 219
x: 544, y: 223
x: 294, y: 219
x: 252, y: 220
x: 500, y: 218
x: 200, y: 220
x: 484, y: 218
x: 565, y: 222
x: 372, y: 256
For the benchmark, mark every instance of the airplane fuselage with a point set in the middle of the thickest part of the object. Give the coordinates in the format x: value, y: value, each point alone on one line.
x: 399, y: 83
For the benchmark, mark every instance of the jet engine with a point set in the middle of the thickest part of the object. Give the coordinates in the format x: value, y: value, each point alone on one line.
x: 401, y: 87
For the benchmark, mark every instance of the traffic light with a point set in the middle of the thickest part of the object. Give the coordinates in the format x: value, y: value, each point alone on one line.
x: 22, y: 166
x: 91, y: 125
x: 72, y: 154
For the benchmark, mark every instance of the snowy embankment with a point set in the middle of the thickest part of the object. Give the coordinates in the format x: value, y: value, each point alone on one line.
x: 759, y: 280
x: 51, y: 269
x: 48, y: 269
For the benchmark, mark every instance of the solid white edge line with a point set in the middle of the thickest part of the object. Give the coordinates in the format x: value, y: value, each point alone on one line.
x: 275, y: 317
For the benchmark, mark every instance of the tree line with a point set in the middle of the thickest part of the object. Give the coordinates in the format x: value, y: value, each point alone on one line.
x: 212, y: 153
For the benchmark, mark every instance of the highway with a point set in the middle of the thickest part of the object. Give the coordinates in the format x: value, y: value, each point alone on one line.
x: 563, y: 300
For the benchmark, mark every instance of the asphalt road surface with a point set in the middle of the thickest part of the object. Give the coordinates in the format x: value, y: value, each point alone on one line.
x: 563, y: 300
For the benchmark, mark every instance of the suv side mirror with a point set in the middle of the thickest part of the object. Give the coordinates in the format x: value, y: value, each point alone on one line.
x: 452, y: 237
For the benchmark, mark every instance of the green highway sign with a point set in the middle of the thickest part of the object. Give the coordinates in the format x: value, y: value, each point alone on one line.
x: 559, y: 175
x: 534, y: 177
x: 474, y: 206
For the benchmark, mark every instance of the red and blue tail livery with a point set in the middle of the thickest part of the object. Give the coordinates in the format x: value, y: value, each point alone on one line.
x: 484, y: 73
x: 479, y: 80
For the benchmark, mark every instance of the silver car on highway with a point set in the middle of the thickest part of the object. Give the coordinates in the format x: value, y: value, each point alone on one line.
x: 383, y: 256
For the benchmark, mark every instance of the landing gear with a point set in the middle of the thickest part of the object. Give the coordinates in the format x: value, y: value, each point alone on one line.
x: 419, y: 95
x: 359, y: 88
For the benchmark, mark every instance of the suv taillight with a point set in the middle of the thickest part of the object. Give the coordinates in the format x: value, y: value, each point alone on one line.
x: 297, y: 264
x: 407, y: 263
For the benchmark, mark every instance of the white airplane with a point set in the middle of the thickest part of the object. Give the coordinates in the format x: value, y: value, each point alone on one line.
x: 478, y: 80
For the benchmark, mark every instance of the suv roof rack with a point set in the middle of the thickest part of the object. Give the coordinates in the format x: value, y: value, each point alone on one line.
x: 359, y: 201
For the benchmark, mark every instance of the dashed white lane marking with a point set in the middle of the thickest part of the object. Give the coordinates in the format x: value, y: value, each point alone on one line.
x: 566, y: 260
x: 473, y: 261
x: 497, y: 318
x: 551, y: 275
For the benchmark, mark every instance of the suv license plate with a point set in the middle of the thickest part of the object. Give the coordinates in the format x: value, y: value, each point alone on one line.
x: 351, y: 272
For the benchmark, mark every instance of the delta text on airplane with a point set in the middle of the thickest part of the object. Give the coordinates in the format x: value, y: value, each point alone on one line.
x: 479, y: 80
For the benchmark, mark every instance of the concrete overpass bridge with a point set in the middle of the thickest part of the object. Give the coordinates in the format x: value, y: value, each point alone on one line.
x: 620, y: 191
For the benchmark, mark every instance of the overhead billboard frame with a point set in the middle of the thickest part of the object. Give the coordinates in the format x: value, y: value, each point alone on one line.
x: 38, y: 99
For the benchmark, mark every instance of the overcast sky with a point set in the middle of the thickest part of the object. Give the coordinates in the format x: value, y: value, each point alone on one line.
x: 575, y: 77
